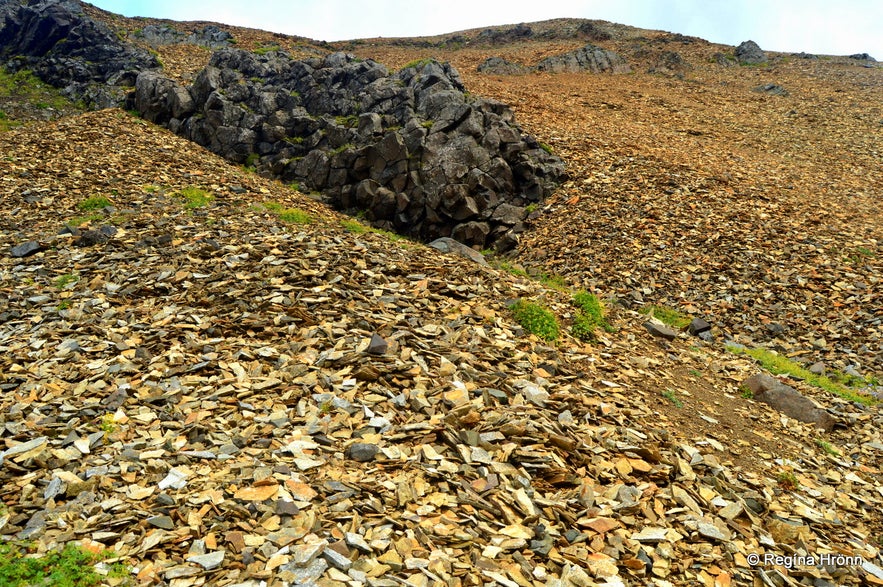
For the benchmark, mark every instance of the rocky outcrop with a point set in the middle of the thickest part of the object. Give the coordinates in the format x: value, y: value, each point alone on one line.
x: 500, y: 66
x: 589, y: 58
x: 519, y: 32
x: 749, y: 53
x: 410, y: 149
x: 161, y: 34
x: 69, y: 50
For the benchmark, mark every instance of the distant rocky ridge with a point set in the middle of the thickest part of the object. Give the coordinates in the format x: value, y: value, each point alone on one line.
x: 64, y: 47
x: 410, y: 149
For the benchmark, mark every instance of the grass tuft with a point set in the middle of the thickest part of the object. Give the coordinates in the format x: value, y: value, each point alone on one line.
x: 93, y: 203
x: 589, y: 316
x: 673, y: 398
x: 536, y: 319
x: 292, y: 215
x: 667, y: 315
x: 195, y: 198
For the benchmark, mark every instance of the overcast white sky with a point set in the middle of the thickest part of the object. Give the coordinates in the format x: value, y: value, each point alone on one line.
x: 815, y: 26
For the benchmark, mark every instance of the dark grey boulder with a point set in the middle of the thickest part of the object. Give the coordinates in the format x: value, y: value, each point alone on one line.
x: 786, y: 399
x: 749, y: 53
x: 862, y: 57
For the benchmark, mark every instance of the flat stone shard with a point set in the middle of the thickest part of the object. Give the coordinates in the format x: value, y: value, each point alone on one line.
x: 660, y: 330
x: 786, y: 399
x: 25, y: 249
x: 449, y: 245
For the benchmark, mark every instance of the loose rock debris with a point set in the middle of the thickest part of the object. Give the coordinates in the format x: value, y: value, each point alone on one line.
x: 195, y: 396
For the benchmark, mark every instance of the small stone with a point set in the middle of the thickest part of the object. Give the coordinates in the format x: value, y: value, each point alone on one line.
x: 377, y: 346
x: 286, y: 508
x: 337, y: 560
x: 711, y: 531
x: 817, y: 368
x: 208, y: 561
x: 361, y: 451
x: 698, y: 326
x: 358, y: 542
x: 650, y: 534
x: 164, y: 522
x: 25, y: 249
x: 660, y: 330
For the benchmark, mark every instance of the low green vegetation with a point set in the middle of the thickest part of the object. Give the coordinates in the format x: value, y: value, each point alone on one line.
x: 264, y: 49
x: 788, y: 481
x: 745, y: 392
x: 77, y: 221
x: 827, y: 447
x: 70, y: 567
x: 195, y: 197
x: 291, y: 215
x: 589, y: 317
x: 251, y: 161
x: 547, y: 148
x: 667, y: 315
x: 536, y: 319
x: 62, y: 281
x: 27, y: 88
x: 779, y: 365
x: 93, y: 203
x: 354, y: 226
x: 357, y: 227
x: 347, y: 121
x: 673, y: 398
x: 417, y: 63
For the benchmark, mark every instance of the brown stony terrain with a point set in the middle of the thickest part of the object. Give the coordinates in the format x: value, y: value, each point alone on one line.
x: 200, y: 392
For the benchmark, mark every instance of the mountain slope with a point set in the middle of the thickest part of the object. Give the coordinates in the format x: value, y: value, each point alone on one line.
x: 191, y: 376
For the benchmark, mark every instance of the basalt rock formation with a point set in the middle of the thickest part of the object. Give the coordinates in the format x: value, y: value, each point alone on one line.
x: 69, y: 50
x: 410, y: 149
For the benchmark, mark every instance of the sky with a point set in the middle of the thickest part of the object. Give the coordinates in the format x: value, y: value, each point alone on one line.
x: 813, y: 26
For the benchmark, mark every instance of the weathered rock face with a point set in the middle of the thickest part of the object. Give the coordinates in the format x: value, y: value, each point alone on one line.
x: 69, y: 50
x: 749, y: 53
x: 500, y: 66
x: 210, y: 36
x: 589, y: 58
x: 410, y: 149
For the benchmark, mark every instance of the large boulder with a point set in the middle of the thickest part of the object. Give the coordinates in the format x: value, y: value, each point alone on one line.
x: 749, y: 53
x: 784, y: 398
x: 410, y: 149
x: 65, y: 48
